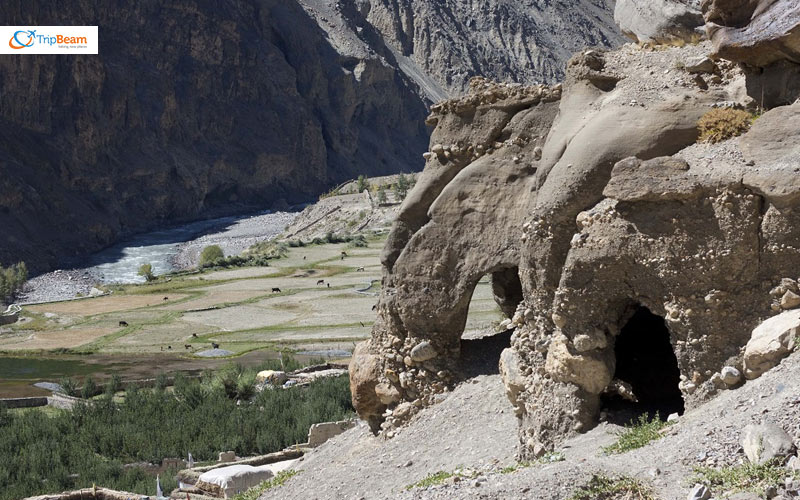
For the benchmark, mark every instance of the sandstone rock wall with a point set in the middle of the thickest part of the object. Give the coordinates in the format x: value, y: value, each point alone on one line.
x: 603, y: 207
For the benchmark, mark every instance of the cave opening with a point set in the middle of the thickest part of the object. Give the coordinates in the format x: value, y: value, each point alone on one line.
x: 646, y: 363
x: 495, y: 297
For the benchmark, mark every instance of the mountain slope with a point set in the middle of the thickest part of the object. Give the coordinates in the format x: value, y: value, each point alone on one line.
x: 197, y: 105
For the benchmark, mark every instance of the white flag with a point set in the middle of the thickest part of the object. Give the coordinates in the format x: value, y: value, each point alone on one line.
x: 159, y: 493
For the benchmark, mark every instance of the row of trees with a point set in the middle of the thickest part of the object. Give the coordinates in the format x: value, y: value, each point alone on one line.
x: 12, y: 279
x: 44, y: 453
x: 400, y: 187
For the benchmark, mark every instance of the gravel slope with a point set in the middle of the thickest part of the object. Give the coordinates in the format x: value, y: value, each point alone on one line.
x: 475, y: 427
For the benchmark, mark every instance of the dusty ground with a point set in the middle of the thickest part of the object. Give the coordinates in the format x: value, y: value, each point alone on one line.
x: 474, y: 428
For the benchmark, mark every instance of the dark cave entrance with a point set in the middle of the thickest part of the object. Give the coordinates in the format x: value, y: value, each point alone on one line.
x: 481, y: 345
x: 645, y: 360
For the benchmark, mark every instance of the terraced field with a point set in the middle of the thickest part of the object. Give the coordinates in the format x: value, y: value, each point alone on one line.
x: 163, y: 325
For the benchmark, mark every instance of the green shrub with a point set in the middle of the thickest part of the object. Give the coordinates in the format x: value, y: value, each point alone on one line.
x: 620, y: 488
x: 721, y: 124
x: 637, y: 434
x: 89, y: 389
x: 210, y: 256
x: 114, y: 385
x: 69, y: 386
x: 146, y: 270
x: 381, y: 195
x: 747, y: 477
x: 12, y: 279
x: 161, y: 382
x: 362, y: 183
x: 358, y: 241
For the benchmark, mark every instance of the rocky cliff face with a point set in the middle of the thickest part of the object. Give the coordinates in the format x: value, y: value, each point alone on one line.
x: 524, y: 41
x: 610, y: 233
x: 195, y: 105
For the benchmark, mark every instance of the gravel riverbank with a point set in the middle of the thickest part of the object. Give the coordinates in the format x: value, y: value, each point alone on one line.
x: 233, y: 238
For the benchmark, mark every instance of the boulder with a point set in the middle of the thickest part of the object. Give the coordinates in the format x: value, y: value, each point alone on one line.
x: 659, y: 21
x: 272, y: 377
x: 765, y: 442
x: 365, y: 372
x: 770, y: 342
x: 730, y: 376
x: 790, y: 300
x: 423, y: 352
x: 700, y: 64
x: 755, y: 32
x: 513, y: 379
x: 699, y: 492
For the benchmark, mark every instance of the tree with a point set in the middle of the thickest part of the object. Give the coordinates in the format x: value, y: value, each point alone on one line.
x: 146, y: 270
x: 401, y: 187
x: 210, y: 255
x: 362, y: 183
x: 12, y: 279
x: 381, y: 195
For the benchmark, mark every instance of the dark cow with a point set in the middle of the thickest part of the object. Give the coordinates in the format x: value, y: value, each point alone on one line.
x: 320, y: 282
x: 123, y: 323
x: 214, y: 345
x: 344, y: 254
x: 187, y: 346
x: 276, y: 290
x: 194, y: 335
x: 166, y: 298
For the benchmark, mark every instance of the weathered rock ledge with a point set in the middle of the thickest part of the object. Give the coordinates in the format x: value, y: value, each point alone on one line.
x: 596, y: 213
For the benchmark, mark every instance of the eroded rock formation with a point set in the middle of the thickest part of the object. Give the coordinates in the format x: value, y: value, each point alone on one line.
x: 627, y: 237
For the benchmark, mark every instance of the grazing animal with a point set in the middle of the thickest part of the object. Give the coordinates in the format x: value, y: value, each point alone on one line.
x: 123, y: 323
x: 321, y: 282
x: 214, y: 345
x: 374, y: 306
x: 304, y: 257
x: 166, y: 298
x: 344, y: 254
x: 194, y: 335
x: 276, y: 290
x: 329, y: 285
x: 169, y: 347
x: 187, y: 346
x: 360, y: 269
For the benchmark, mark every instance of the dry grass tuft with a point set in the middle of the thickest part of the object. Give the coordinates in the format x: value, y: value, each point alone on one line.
x: 724, y: 123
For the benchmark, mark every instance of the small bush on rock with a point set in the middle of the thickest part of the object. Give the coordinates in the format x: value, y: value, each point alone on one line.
x: 724, y: 123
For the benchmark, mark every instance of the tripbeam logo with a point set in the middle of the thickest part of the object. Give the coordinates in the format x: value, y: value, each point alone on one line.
x: 49, y: 40
x: 15, y: 41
